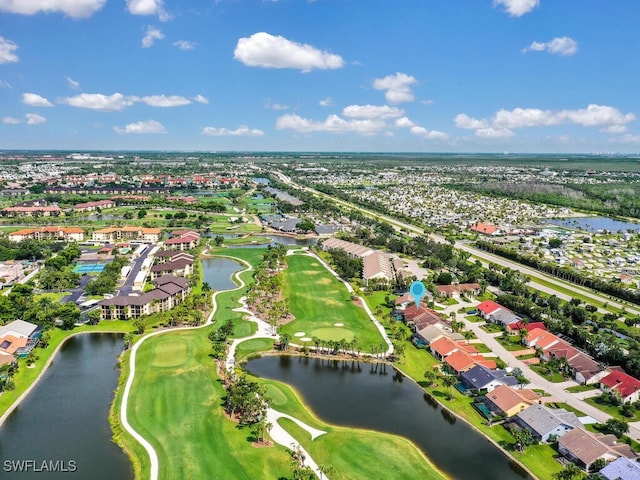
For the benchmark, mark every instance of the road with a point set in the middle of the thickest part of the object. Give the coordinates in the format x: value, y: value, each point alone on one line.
x: 557, y: 390
x: 480, y: 254
x: 127, y: 286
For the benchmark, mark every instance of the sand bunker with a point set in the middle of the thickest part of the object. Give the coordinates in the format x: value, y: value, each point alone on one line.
x: 338, y: 324
x: 299, y: 334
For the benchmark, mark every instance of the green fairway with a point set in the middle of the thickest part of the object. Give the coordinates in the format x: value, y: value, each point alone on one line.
x: 179, y: 410
x: 318, y: 301
x: 354, y: 453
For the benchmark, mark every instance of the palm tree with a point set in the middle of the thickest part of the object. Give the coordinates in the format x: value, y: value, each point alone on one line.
x: 468, y: 335
x: 326, y: 470
x: 449, y: 381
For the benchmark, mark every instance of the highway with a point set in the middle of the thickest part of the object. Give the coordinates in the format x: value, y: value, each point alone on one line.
x: 485, y: 257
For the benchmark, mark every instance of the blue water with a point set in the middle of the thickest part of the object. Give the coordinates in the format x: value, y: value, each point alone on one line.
x: 593, y: 224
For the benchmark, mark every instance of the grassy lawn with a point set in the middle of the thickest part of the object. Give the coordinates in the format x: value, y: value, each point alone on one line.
x: 542, y: 370
x: 255, y: 239
x: 319, y: 301
x: 537, y: 458
x: 580, y: 388
x: 54, y: 297
x: 24, y: 376
x: 221, y: 224
x: 253, y: 346
x: 176, y: 404
x: 612, y: 410
x: 512, y: 343
x: 354, y: 453
x: 474, y: 318
x: 482, y: 348
x: 491, y: 328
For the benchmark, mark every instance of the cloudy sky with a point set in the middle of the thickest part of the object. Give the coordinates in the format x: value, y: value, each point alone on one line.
x: 319, y: 75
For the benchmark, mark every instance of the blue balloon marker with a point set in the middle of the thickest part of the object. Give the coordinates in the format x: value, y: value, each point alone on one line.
x: 417, y: 291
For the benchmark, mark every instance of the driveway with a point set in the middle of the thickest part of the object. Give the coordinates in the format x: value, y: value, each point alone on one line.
x: 127, y: 286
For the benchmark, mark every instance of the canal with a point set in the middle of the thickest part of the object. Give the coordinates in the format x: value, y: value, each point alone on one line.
x: 375, y: 396
x: 63, y: 422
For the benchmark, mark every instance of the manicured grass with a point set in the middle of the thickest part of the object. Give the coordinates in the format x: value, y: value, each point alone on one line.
x: 354, y: 453
x: 612, y: 410
x: 54, y: 297
x: 474, y: 318
x: 481, y: 347
x: 318, y: 301
x: 253, y: 346
x: 554, y: 377
x: 178, y: 408
x: 512, y: 343
x: 580, y: 388
x: 491, y: 328
x: 255, y: 239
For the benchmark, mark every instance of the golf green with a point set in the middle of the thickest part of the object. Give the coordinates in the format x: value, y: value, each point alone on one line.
x: 318, y: 301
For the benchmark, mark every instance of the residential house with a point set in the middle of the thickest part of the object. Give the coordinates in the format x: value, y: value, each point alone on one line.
x: 583, y: 448
x: 116, y: 234
x: 503, y: 316
x: 541, y: 339
x: 180, y: 268
x: 544, y: 422
x: 454, y: 291
x: 91, y: 206
x: 34, y: 211
x: 508, y: 401
x: 431, y: 333
x: 183, y: 242
x: 352, y: 249
x: 169, y: 292
x: 487, y: 307
x: 483, y: 378
x: 621, y: 469
x: 485, y: 229
x: 173, y: 255
x: 460, y: 361
x: 377, y: 266
x: 586, y: 370
x: 516, y: 328
x: 623, y: 384
x: 422, y: 316
x: 66, y: 234
x: 18, y: 338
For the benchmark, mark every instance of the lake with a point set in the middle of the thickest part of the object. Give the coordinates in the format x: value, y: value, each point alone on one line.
x: 375, y: 396
x: 593, y: 224
x: 65, y: 417
x: 217, y: 272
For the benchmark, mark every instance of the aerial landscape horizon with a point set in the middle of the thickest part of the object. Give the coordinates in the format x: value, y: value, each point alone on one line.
x: 319, y: 239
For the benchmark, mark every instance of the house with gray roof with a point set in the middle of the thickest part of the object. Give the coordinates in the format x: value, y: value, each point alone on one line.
x: 584, y: 448
x: 483, y: 378
x: 544, y: 422
x: 621, y: 469
x: 504, y: 317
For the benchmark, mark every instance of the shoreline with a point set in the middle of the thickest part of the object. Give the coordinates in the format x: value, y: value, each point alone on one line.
x: 49, y: 361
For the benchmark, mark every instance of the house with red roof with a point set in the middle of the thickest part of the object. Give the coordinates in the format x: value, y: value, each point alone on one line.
x: 183, y: 242
x: 461, y: 361
x: 625, y: 385
x: 488, y: 307
x: 485, y: 229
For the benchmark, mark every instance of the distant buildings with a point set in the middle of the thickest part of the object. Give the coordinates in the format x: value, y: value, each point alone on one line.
x: 485, y: 229
x: 375, y: 263
x: 92, y: 206
x: 66, y: 234
x: 34, y: 211
x: 116, y: 234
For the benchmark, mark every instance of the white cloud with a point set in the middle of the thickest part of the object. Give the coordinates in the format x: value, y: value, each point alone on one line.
x: 333, y: 123
x: 148, y: 7
x: 145, y: 127
x: 404, y: 122
x: 380, y: 112
x: 398, y: 87
x: 72, y: 83
x: 276, y: 106
x: 242, y: 131
x: 615, y: 129
x: 7, y: 50
x: 563, y: 46
x: 151, y: 36
x: 163, y: 100
x: 34, y: 119
x: 465, y: 121
x: 269, y: 51
x: 201, y: 99
x: 326, y: 102
x: 11, y: 120
x: 35, y: 100
x: 629, y: 139
x: 185, y: 44
x: 517, y: 8
x: 72, y: 8
x: 611, y: 119
x: 98, y: 101
x: 491, y: 132
x: 429, y: 134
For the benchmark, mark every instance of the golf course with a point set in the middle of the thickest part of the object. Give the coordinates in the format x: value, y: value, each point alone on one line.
x: 176, y: 400
x: 322, y: 306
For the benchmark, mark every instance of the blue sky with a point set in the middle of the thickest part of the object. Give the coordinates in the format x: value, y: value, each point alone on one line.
x: 350, y: 75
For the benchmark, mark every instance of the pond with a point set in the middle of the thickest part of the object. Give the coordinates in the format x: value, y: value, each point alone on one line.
x: 593, y: 224
x: 217, y: 272
x: 64, y: 419
x: 375, y: 396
